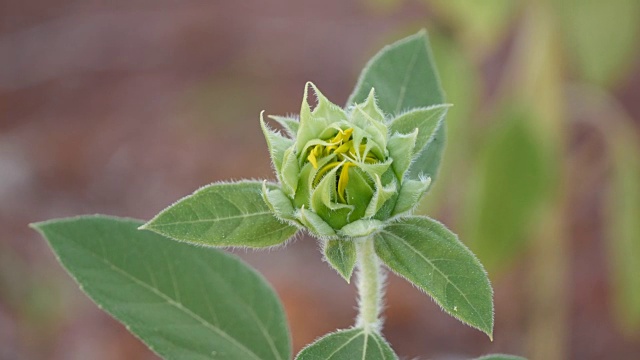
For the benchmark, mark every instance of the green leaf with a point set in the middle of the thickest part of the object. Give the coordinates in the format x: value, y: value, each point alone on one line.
x: 341, y: 255
x: 426, y: 253
x: 431, y: 138
x: 348, y: 344
x: 500, y: 357
x: 290, y: 124
x: 403, y: 75
x: 226, y: 214
x: 508, y: 187
x: 184, y: 302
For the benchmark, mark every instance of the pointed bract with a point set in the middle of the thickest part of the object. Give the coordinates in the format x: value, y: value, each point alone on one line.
x: 341, y: 255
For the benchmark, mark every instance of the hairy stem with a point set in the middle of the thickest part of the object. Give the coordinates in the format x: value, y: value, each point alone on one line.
x: 369, y: 286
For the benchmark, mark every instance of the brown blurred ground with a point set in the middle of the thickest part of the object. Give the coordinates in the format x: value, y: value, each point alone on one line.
x: 122, y: 107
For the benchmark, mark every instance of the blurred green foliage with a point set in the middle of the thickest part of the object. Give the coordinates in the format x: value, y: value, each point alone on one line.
x: 507, y: 155
x: 601, y: 37
x: 507, y: 189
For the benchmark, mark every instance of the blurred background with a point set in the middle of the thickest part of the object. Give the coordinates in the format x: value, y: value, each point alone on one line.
x: 123, y: 107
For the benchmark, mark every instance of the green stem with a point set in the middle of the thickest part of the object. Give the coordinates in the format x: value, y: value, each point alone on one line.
x: 369, y: 286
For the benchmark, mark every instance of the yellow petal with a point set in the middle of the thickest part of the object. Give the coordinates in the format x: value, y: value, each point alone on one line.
x: 312, y: 159
x: 324, y: 170
x: 344, y: 147
x: 344, y: 180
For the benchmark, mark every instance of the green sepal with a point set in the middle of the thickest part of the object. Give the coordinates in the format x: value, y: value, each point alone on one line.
x: 376, y: 169
x: 430, y: 140
x: 303, y: 191
x: 375, y: 129
x: 290, y: 172
x: 400, y: 148
x: 409, y: 195
x: 427, y: 162
x: 324, y: 202
x: 289, y: 124
x: 426, y: 120
x: 315, y: 224
x: 360, y: 228
x: 370, y: 107
x: 341, y: 255
x: 279, y: 203
x: 277, y: 144
x: 313, y: 124
x: 381, y: 195
x: 358, y: 192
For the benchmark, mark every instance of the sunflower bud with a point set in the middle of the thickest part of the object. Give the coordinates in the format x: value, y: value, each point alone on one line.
x: 341, y: 171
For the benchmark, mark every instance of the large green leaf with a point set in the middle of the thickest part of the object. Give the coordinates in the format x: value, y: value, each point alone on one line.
x: 348, y: 344
x: 226, y: 214
x: 183, y: 301
x: 426, y: 253
x: 403, y: 75
x: 508, y: 186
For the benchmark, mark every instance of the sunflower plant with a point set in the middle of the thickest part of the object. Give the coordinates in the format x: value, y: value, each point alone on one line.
x: 348, y: 176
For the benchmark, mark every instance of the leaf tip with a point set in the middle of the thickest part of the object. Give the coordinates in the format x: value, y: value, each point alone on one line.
x: 346, y: 277
x: 145, y: 226
x: 39, y: 226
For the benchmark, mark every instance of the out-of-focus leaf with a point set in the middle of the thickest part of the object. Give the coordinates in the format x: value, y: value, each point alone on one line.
x: 429, y: 255
x: 602, y: 37
x: 227, y: 214
x: 507, y: 188
x: 481, y: 23
x: 623, y: 222
x: 183, y: 301
x: 352, y: 344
